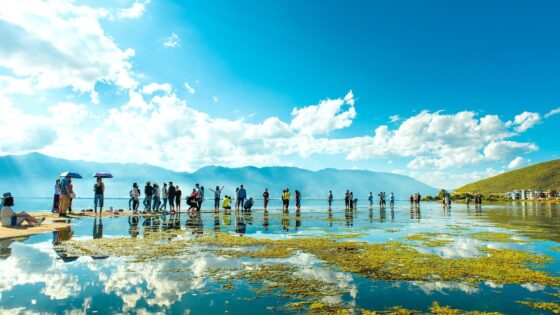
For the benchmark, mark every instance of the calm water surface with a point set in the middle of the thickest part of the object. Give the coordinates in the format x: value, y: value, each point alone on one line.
x: 35, y: 278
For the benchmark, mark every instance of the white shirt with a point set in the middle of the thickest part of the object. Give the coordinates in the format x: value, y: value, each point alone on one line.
x: 6, y: 216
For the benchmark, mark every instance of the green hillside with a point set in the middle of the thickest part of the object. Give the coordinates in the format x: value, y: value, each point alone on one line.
x: 539, y: 176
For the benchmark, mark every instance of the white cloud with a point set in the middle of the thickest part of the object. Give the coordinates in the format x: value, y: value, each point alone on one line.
x: 394, y: 118
x: 325, y: 117
x: 552, y: 112
x: 435, y: 140
x: 215, y: 99
x: 135, y: 11
x: 172, y: 41
x: 26, y: 132
x: 155, y: 87
x: 525, y: 120
x: 189, y: 88
x: 58, y: 44
x: 516, y: 163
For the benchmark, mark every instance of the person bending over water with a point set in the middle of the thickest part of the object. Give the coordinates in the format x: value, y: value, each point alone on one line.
x: 10, y: 218
x: 248, y: 204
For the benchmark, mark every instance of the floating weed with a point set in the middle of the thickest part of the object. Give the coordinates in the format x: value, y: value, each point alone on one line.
x: 320, y: 308
x: 494, y: 237
x: 431, y: 239
x: 391, y: 261
x: 545, y: 306
x: 344, y: 235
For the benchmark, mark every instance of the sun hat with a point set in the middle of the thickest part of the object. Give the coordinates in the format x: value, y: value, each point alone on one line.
x: 6, y: 195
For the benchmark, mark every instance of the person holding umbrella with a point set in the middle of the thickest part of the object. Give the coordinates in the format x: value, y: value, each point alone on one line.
x: 99, y: 189
x: 65, y: 191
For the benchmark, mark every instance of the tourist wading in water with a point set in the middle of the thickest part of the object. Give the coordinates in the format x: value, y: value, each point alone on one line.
x: 99, y: 190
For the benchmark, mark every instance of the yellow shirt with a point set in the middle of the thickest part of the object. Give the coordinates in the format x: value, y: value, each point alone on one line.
x: 286, y: 196
x: 226, y: 202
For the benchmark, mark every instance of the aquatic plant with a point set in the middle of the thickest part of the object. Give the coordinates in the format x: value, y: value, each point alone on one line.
x: 494, y: 237
x: 431, y: 239
x: 545, y: 306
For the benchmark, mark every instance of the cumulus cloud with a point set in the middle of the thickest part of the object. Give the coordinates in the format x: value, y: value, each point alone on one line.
x: 58, y: 44
x: 524, y: 121
x: 172, y: 41
x: 155, y: 87
x: 325, y: 117
x: 436, y: 140
x: 134, y: 11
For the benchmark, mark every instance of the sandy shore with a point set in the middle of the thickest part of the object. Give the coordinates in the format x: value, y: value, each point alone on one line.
x: 51, y: 223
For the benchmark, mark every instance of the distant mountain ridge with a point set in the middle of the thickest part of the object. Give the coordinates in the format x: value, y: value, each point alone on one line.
x: 543, y: 176
x: 34, y: 174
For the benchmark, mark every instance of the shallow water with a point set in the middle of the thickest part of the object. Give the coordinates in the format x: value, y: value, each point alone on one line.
x: 37, y: 278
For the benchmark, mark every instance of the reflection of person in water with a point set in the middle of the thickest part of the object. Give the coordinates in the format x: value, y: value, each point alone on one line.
x: 330, y: 217
x: 349, y: 216
x: 133, y: 226
x: 216, y: 222
x: 62, y: 234
x: 298, y: 218
x: 414, y: 213
x: 240, y: 227
x: 198, y: 225
x: 97, y: 228
x: 370, y: 214
x: 382, y: 214
x: 286, y: 221
x: 265, y: 220
x: 226, y: 218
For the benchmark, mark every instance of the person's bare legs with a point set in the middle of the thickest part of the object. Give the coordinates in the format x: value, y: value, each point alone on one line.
x: 28, y: 218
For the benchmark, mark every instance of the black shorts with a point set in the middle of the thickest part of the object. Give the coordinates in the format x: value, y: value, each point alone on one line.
x: 171, y: 201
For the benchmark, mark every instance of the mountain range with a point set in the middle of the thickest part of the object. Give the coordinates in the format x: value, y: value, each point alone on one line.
x: 34, y: 174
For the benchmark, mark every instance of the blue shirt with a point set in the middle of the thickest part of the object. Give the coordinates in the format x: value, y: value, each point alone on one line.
x: 64, y: 184
x: 242, y: 193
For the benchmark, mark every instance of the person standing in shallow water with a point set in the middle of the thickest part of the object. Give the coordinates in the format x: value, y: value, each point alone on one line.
x: 164, y: 195
x: 266, y: 197
x: 242, y: 195
x: 391, y: 200
x: 217, y: 197
x: 330, y: 198
x: 99, y: 189
x: 56, y: 198
x: 135, y: 197
x: 298, y: 199
x: 347, y: 200
x: 237, y: 198
x: 351, y: 200
x: 171, y: 197
x: 286, y: 199
x: 177, y: 198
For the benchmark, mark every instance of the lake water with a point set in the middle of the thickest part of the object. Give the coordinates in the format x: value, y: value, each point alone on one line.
x: 35, y: 277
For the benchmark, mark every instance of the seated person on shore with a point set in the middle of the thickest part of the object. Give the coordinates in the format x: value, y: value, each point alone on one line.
x: 226, y: 202
x: 248, y: 204
x: 10, y: 218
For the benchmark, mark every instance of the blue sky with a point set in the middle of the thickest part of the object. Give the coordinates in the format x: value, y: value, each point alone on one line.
x: 447, y: 92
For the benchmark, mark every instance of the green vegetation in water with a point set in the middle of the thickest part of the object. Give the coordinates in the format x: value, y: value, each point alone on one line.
x: 319, y: 308
x: 392, y: 261
x: 343, y: 235
x: 392, y: 230
x: 431, y: 239
x: 545, y: 306
x: 555, y: 249
x: 494, y: 237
